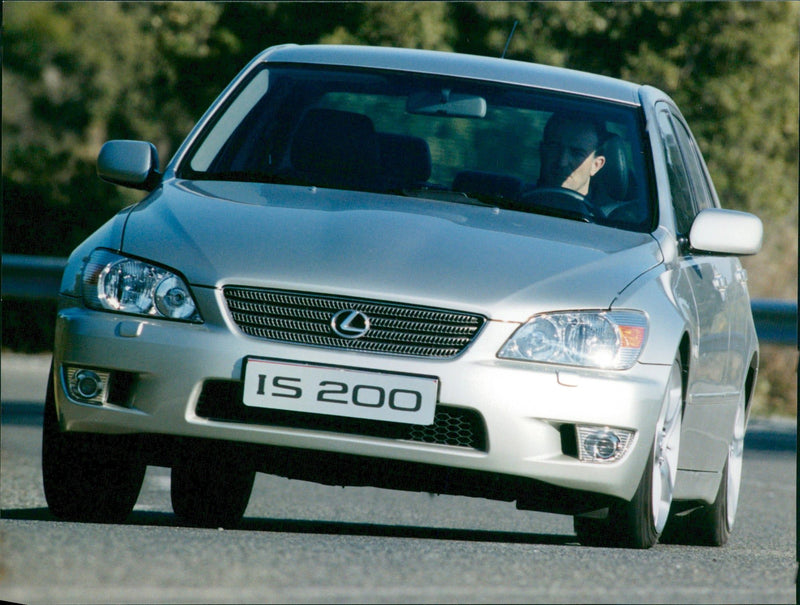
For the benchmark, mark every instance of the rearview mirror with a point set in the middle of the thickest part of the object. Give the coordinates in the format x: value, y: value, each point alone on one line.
x: 726, y: 232
x: 446, y: 103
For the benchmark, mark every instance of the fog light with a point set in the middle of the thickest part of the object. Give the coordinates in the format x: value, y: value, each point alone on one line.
x: 86, y: 385
x: 602, y: 444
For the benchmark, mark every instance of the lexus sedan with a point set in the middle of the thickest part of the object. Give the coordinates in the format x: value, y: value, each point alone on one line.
x: 413, y: 270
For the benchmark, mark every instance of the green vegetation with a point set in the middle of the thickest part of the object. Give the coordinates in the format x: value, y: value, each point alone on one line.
x: 78, y: 73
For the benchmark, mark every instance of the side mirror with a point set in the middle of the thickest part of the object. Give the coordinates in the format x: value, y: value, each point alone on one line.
x: 129, y: 163
x: 731, y: 232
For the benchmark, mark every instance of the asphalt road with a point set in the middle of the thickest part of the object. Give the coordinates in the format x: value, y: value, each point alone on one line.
x: 305, y: 543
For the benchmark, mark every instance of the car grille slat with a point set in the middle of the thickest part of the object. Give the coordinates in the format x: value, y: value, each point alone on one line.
x: 305, y: 318
x: 251, y: 321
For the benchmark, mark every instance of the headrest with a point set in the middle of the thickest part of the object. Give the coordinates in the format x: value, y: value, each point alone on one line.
x: 614, y: 176
x: 404, y: 159
x: 333, y: 148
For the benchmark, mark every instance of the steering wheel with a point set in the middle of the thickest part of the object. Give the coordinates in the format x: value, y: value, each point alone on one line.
x: 559, y: 201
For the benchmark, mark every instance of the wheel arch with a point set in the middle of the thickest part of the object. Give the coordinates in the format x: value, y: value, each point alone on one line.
x: 750, y: 384
x: 684, y: 354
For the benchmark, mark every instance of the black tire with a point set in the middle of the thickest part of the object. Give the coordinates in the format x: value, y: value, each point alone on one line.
x: 628, y: 524
x: 211, y: 487
x: 711, y: 525
x: 87, y: 477
x: 702, y: 526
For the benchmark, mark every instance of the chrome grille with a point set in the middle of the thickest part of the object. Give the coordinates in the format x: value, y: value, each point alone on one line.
x: 304, y: 318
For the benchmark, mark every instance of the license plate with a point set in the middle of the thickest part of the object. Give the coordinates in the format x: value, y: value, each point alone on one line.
x: 340, y: 391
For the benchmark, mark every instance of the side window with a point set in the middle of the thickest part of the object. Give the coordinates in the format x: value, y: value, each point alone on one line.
x: 679, y: 183
x: 697, y: 175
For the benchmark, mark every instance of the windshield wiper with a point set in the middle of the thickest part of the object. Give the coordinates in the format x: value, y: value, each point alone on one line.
x: 246, y: 176
x: 506, y: 203
x: 446, y: 195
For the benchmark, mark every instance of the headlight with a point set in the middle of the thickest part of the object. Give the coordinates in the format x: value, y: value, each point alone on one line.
x: 126, y: 285
x: 598, y: 339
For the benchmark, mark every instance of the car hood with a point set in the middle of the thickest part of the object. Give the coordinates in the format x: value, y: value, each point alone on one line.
x: 506, y: 265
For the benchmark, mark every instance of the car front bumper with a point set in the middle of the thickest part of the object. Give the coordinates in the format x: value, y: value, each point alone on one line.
x: 526, y: 408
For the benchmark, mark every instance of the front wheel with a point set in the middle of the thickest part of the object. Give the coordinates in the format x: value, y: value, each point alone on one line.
x: 87, y: 477
x: 711, y: 525
x: 211, y: 486
x: 639, y: 522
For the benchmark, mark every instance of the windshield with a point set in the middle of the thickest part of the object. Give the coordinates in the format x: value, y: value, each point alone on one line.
x: 431, y: 137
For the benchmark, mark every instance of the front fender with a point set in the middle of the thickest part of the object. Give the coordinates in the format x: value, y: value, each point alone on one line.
x: 107, y: 236
x: 670, y: 312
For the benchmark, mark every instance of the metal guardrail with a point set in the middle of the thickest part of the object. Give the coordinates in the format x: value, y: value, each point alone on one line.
x: 31, y: 277
x: 39, y: 277
x: 776, y: 321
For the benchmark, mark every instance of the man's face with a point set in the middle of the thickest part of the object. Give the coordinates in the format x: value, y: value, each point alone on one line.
x: 568, y: 156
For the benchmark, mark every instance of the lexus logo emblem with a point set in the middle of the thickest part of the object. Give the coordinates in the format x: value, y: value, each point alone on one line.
x: 350, y: 324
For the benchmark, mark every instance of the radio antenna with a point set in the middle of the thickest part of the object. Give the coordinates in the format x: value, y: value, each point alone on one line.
x: 511, y: 35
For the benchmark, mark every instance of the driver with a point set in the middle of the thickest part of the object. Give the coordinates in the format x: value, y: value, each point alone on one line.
x: 569, y: 152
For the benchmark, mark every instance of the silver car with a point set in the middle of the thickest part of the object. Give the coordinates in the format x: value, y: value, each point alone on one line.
x: 414, y: 270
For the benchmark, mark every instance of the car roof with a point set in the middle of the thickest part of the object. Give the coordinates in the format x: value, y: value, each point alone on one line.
x: 460, y: 65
